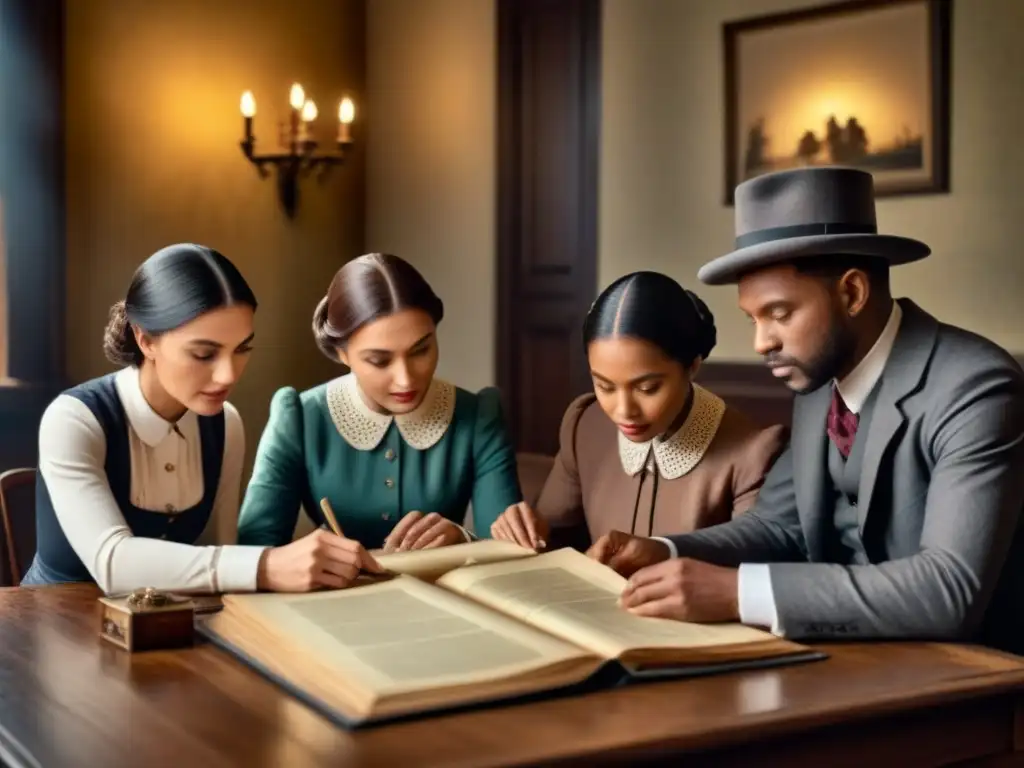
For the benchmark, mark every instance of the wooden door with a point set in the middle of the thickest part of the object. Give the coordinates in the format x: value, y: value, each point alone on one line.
x: 548, y: 125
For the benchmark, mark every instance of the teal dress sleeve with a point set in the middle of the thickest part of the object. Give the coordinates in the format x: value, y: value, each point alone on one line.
x: 274, y: 495
x: 495, y: 482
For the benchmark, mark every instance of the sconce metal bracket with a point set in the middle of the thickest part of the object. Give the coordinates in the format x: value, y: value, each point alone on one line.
x: 301, y: 161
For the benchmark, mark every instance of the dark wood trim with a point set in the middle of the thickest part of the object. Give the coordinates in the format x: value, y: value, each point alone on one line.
x: 590, y: 153
x: 940, y: 23
x: 941, y: 40
x: 32, y: 187
x: 508, y: 199
x: 750, y: 388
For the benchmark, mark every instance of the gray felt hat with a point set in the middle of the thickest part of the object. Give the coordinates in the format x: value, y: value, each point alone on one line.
x: 819, y: 211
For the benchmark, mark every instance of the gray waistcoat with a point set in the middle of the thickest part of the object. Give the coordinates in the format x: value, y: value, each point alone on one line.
x: 845, y: 477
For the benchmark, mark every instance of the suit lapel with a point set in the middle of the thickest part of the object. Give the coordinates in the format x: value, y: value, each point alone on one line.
x: 885, y: 423
x: 810, y: 465
x: 903, y: 375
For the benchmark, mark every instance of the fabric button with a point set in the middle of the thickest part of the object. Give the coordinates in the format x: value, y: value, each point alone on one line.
x: 168, y: 467
x: 389, y: 455
x: 171, y: 520
x: 389, y: 483
x: 163, y: 536
x: 386, y: 516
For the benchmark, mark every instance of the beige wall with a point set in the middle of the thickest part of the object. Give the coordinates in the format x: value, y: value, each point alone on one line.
x: 153, y: 126
x: 431, y: 163
x: 661, y: 163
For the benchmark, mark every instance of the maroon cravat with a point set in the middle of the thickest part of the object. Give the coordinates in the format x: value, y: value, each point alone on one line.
x: 842, y: 424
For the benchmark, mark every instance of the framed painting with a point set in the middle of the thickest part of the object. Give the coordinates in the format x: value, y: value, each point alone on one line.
x: 863, y: 83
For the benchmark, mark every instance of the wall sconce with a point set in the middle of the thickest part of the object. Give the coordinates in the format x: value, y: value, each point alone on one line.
x: 298, y: 156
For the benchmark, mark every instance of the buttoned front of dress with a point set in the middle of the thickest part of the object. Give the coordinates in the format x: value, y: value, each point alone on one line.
x: 128, y: 499
x: 391, y: 469
x: 374, y: 468
x: 704, y: 473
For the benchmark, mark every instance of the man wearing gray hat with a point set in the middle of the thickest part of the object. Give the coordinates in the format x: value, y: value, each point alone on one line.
x: 895, y: 512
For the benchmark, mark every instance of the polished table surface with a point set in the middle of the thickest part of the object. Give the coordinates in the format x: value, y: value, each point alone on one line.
x: 68, y: 699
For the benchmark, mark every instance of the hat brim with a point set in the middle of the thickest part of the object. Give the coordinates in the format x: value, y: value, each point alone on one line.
x: 894, y: 249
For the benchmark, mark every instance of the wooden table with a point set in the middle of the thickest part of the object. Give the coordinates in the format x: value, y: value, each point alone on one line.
x: 66, y: 699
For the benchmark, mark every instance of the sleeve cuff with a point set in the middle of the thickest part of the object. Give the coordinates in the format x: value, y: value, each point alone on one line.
x: 672, y: 551
x: 236, y: 568
x: 756, y: 598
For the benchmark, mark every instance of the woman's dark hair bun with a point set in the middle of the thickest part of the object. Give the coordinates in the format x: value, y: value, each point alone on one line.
x: 326, y: 340
x: 366, y: 289
x: 708, y: 331
x: 655, y: 308
x: 172, y: 287
x: 119, y: 345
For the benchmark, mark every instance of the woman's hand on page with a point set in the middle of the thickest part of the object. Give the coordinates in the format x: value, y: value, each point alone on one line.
x: 627, y: 554
x: 418, y: 531
x: 320, y: 559
x: 521, y: 525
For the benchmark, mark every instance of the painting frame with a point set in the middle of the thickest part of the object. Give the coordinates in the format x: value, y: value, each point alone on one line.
x: 939, y: 36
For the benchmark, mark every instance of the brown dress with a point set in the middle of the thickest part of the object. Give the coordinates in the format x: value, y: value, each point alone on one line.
x: 708, y: 471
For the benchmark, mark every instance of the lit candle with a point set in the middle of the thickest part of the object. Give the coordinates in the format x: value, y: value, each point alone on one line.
x: 296, y: 98
x: 248, y: 107
x: 309, y: 114
x: 346, y: 114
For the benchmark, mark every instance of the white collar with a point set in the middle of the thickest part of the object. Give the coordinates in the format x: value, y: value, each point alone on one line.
x: 151, y: 427
x: 856, y: 387
x: 363, y: 428
x: 683, y: 450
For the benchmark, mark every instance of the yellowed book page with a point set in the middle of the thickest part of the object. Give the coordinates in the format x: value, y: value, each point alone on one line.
x: 405, y: 635
x: 429, y: 564
x: 576, y: 598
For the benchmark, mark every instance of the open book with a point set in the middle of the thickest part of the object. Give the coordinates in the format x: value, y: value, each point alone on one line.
x: 508, y: 624
x: 431, y: 564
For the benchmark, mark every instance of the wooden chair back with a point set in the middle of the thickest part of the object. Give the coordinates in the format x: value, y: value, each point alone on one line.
x: 18, y: 521
x: 532, y: 469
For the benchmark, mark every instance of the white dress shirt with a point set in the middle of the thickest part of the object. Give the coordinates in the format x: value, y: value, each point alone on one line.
x: 756, y: 599
x: 166, y: 476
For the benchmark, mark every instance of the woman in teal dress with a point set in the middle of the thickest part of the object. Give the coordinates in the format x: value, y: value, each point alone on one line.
x: 398, y: 453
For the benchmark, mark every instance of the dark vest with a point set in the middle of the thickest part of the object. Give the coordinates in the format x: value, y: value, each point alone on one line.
x: 54, y: 555
x: 845, y: 483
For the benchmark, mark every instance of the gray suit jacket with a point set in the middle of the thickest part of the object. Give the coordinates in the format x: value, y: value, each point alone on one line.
x: 940, y: 502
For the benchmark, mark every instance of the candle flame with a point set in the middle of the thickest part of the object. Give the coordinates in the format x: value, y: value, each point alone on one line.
x: 346, y: 110
x: 248, y: 104
x: 309, y: 112
x: 297, y: 97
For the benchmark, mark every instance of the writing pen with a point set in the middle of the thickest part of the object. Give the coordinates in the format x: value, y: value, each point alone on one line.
x: 325, y: 507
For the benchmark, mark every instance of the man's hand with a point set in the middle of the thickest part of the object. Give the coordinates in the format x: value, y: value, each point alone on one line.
x: 685, y: 590
x: 418, y: 531
x: 627, y: 554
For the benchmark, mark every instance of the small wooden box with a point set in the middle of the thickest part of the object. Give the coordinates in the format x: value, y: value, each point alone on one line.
x: 147, y: 620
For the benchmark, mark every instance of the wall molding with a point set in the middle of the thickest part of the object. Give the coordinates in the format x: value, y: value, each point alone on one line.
x: 750, y: 388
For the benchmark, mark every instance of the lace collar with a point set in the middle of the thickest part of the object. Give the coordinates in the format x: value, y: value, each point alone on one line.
x: 683, y: 450
x: 363, y: 428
